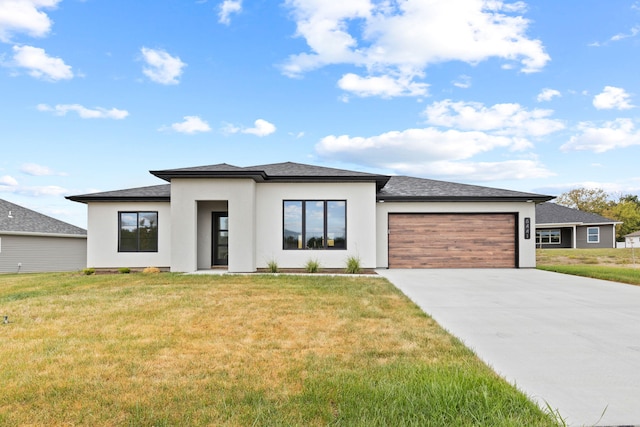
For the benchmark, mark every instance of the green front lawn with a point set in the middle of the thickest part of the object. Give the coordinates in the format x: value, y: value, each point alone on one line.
x: 179, y: 350
x: 617, y: 265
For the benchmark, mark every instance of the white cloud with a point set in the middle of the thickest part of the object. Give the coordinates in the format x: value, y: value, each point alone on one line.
x: 548, y: 94
x: 227, y: 8
x: 161, y: 67
x: 463, y: 82
x: 478, y: 171
x: 384, y: 86
x: 401, y: 39
x: 24, y: 16
x: 612, y: 98
x: 39, y: 170
x: 261, y: 128
x: 431, y: 152
x: 8, y: 181
x: 41, y: 65
x: 501, y: 119
x: 619, y: 133
x: 190, y: 125
x: 83, y: 112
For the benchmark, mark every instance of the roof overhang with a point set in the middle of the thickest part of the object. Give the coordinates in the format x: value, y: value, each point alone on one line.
x: 32, y: 234
x: 461, y: 199
x: 89, y: 198
x: 575, y: 224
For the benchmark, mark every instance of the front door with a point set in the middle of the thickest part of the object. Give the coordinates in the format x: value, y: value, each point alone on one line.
x: 220, y: 250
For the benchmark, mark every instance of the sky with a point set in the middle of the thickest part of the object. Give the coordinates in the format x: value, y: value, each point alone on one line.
x: 539, y: 96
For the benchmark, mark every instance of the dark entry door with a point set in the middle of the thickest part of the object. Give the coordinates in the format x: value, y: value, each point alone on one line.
x: 220, y: 250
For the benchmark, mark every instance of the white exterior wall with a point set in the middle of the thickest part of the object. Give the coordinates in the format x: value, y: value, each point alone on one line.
x: 527, y: 248
x: 102, y: 236
x: 632, y: 242
x: 187, y: 194
x: 361, y: 225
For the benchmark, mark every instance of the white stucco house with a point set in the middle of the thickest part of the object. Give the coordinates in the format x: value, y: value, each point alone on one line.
x: 241, y: 218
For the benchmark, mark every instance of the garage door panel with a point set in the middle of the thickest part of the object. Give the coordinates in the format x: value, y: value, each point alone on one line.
x: 452, y: 241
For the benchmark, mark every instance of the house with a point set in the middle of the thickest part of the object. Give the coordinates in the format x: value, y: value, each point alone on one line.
x: 562, y: 227
x: 243, y: 218
x: 632, y: 240
x: 33, y: 242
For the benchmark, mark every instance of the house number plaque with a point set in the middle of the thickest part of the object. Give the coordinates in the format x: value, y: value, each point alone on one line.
x: 527, y: 228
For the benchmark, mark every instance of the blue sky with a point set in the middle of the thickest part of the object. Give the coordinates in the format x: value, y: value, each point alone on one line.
x: 534, y: 96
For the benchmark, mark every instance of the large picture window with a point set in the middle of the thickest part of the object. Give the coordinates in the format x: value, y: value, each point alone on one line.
x: 548, y: 236
x: 314, y: 224
x: 138, y: 232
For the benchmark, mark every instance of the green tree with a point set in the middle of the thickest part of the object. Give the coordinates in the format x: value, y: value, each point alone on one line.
x: 626, y: 210
x: 594, y: 200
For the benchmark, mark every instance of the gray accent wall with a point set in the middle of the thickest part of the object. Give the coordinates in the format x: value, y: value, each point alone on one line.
x: 37, y: 253
x: 607, y: 237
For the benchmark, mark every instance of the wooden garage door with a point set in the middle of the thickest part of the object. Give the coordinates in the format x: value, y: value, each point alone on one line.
x: 452, y: 240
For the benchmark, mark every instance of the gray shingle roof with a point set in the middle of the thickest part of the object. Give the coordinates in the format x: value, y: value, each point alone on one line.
x: 18, y: 219
x: 634, y: 234
x: 552, y: 213
x: 153, y: 193
x: 390, y: 188
x: 406, y: 188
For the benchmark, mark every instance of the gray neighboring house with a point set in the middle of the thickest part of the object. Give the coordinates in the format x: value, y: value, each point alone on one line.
x: 32, y: 242
x: 562, y: 227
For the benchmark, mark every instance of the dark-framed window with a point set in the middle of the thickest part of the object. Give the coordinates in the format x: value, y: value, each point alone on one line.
x: 314, y: 224
x: 552, y: 237
x: 137, y: 231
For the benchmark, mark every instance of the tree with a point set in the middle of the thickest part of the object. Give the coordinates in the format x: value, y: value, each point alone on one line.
x: 627, y: 210
x: 594, y: 200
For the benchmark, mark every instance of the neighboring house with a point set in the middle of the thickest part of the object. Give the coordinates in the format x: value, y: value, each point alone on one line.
x: 33, y: 242
x: 632, y: 240
x: 561, y: 227
x: 242, y: 218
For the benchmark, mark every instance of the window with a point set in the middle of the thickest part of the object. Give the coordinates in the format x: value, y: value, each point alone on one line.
x: 314, y: 224
x: 138, y: 232
x: 548, y: 236
x: 593, y: 235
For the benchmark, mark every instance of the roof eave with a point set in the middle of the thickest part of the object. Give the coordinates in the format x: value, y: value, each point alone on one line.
x: 536, y: 199
x: 87, y: 199
x: 257, y: 176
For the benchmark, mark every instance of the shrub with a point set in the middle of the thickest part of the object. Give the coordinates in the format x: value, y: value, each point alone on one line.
x: 124, y: 270
x: 312, y: 266
x: 272, y: 266
x: 89, y: 271
x: 353, y: 265
x: 151, y: 270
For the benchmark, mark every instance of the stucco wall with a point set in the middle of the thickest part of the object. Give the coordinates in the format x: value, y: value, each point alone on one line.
x: 102, y: 236
x: 361, y: 236
x: 526, y: 247
x: 187, y: 194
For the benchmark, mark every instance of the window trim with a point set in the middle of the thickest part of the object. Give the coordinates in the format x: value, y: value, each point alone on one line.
x: 539, y: 236
x: 325, y: 237
x: 138, y: 250
x: 597, y: 235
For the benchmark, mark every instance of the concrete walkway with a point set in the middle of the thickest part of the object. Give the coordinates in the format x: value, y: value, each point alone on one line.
x: 569, y: 342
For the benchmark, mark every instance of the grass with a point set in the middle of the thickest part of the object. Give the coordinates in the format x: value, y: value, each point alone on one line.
x: 169, y: 349
x: 618, y: 265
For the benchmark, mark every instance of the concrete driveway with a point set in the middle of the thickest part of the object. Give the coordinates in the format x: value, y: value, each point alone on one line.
x: 571, y: 342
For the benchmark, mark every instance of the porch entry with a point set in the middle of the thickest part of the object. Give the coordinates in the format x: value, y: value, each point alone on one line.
x: 220, y: 239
